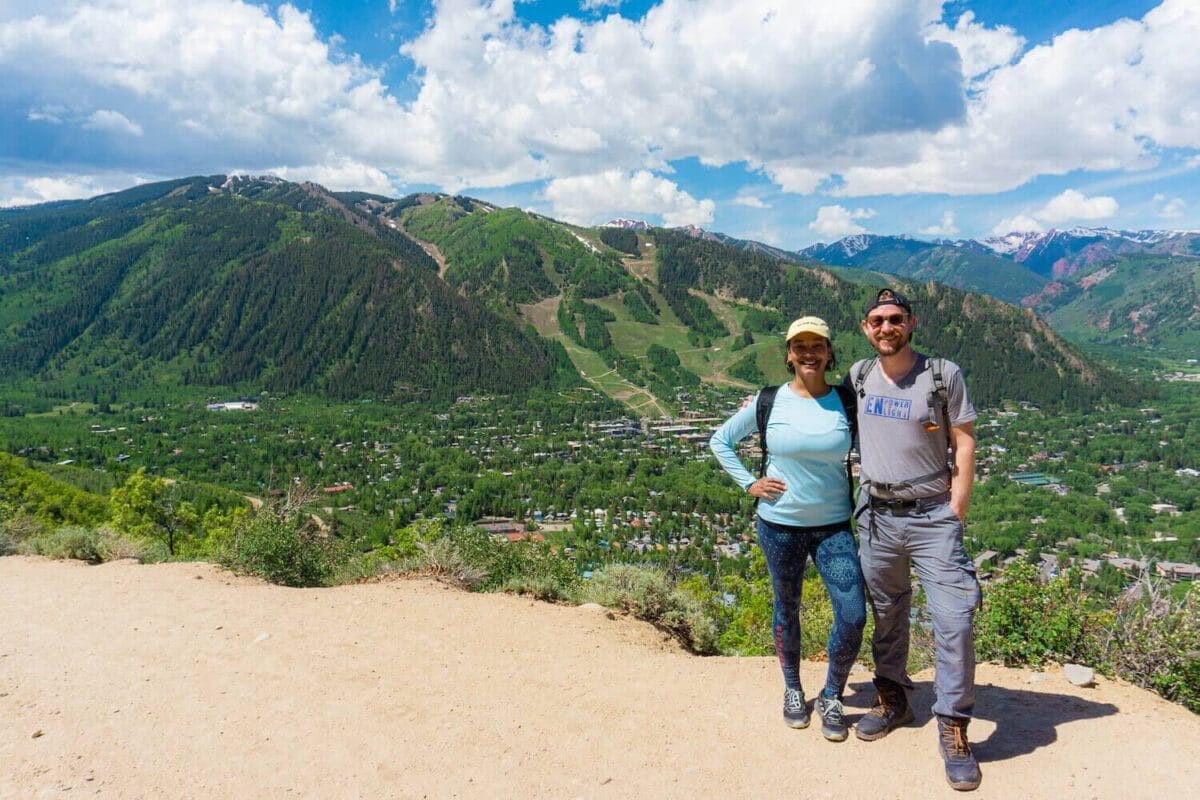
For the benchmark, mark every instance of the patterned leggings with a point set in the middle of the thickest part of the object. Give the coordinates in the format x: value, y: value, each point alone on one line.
x: 835, y: 555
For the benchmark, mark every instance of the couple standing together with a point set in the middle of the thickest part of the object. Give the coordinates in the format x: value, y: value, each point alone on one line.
x: 915, y: 426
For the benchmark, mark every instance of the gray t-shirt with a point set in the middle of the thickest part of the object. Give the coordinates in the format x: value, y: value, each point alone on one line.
x: 894, y: 441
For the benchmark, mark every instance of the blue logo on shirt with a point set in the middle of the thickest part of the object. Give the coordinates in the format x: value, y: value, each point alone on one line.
x: 890, y: 407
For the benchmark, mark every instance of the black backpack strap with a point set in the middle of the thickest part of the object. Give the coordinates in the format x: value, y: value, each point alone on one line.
x: 863, y: 372
x: 850, y: 404
x: 762, y: 413
x: 937, y: 367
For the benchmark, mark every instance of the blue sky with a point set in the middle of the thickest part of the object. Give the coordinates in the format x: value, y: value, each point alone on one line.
x: 786, y: 121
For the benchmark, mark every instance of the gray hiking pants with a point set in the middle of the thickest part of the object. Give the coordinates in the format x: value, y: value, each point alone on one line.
x: 929, y: 538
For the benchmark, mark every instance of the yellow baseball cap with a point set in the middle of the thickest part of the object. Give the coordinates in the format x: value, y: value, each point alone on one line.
x: 808, y: 325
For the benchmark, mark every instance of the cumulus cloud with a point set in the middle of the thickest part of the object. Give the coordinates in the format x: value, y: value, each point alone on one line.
x: 864, y: 97
x: 766, y: 235
x: 339, y: 174
x: 944, y: 228
x: 1021, y: 223
x: 1103, y: 99
x: 1069, y: 206
x: 30, y: 190
x: 750, y: 200
x: 599, y: 5
x: 1170, y: 209
x: 981, y: 49
x: 834, y: 222
x: 501, y: 101
x: 1073, y: 205
x: 112, y: 122
x: 588, y: 199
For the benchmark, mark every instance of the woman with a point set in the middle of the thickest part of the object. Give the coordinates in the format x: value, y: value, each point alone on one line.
x: 804, y: 509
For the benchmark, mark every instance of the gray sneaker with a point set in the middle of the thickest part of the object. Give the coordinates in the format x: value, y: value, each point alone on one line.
x: 795, y: 711
x: 833, y: 718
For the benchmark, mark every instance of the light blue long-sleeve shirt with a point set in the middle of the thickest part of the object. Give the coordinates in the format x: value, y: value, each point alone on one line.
x: 807, y: 441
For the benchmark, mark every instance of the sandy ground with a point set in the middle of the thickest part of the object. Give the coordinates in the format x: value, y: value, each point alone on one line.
x: 181, y: 681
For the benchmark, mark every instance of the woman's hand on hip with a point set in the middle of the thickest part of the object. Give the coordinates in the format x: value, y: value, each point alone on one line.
x: 770, y: 489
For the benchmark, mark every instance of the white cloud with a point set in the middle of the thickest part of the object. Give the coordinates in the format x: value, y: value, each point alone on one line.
x: 29, y: 190
x: 52, y: 114
x: 750, y: 200
x: 795, y: 179
x: 588, y: 199
x: 1104, y: 99
x: 766, y: 235
x: 339, y: 174
x: 1018, y: 224
x: 1073, y: 205
x: 500, y: 101
x: 867, y: 96
x: 112, y: 122
x: 1171, y: 209
x: 597, y: 5
x: 982, y: 49
x: 835, y: 222
x: 944, y: 228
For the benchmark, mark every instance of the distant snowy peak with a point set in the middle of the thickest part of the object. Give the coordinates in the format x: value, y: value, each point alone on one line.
x: 1011, y: 243
x: 860, y: 242
x: 846, y: 250
x: 1059, y: 254
x: 628, y: 224
x: 1019, y: 242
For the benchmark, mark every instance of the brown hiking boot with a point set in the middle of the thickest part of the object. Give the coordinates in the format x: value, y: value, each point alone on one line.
x: 962, y: 770
x: 890, y: 711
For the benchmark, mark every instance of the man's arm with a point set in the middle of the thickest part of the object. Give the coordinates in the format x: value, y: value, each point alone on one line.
x: 963, y: 477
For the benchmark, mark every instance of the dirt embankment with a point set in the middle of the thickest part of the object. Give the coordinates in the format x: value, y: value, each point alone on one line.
x: 181, y: 681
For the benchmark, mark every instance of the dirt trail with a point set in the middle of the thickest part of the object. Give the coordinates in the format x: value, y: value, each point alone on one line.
x: 181, y: 681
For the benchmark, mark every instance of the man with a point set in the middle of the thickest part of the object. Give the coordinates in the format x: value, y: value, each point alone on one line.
x: 917, y: 440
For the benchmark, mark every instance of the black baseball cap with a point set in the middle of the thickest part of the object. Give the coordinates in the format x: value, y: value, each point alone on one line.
x: 887, y: 297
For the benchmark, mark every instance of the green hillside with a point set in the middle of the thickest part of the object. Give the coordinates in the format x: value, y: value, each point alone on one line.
x: 264, y: 285
x: 507, y: 256
x: 1008, y: 353
x: 1147, y: 303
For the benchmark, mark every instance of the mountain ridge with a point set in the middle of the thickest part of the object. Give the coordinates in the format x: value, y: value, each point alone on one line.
x: 272, y: 285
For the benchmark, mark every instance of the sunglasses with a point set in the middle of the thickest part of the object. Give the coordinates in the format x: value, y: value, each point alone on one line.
x: 893, y: 319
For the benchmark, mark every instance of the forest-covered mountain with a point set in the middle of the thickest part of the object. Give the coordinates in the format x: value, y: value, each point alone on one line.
x: 260, y: 284
x: 974, y: 269
x: 264, y: 284
x: 1007, y: 352
x: 1146, y: 302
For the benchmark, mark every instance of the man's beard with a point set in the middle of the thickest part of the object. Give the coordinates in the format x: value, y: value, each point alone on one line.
x: 887, y: 347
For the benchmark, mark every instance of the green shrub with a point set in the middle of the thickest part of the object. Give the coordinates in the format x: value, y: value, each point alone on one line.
x: 1154, y: 642
x: 443, y: 559
x: 648, y: 595
x: 69, y: 541
x: 283, y: 548
x: 540, y: 587
x: 20, y: 527
x: 1027, y: 622
x: 94, y: 545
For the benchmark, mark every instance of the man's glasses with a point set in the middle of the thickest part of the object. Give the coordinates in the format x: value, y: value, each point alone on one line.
x: 893, y: 319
